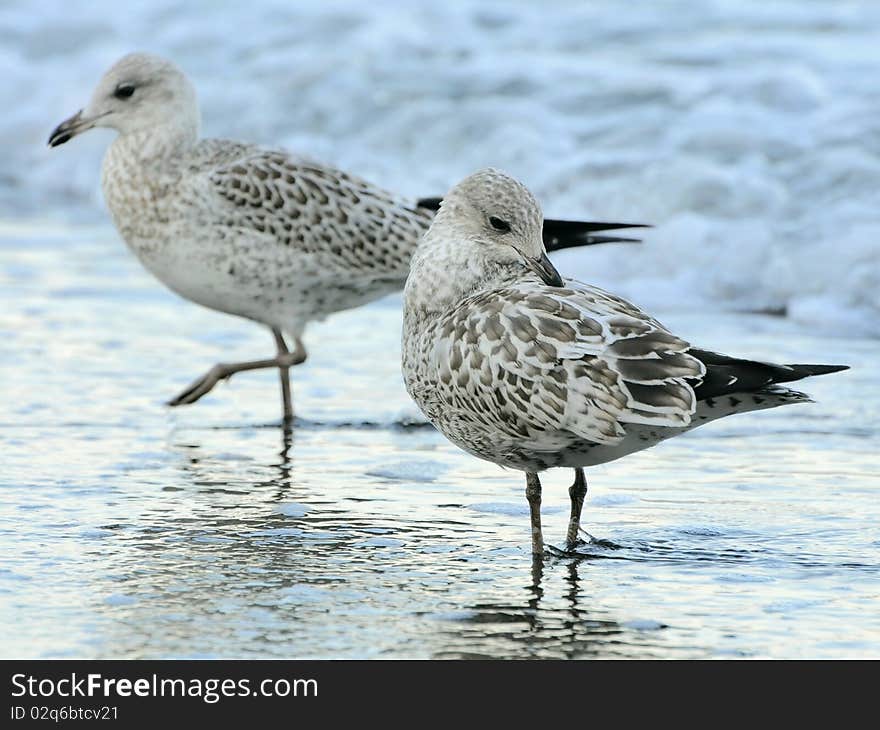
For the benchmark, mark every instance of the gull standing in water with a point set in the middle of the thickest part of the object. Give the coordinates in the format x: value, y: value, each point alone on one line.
x: 518, y: 366
x: 258, y: 233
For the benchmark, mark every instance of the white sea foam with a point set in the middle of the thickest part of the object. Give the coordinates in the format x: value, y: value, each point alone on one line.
x: 746, y: 131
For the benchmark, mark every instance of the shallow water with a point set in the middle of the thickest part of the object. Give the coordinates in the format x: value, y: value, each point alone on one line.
x: 131, y: 530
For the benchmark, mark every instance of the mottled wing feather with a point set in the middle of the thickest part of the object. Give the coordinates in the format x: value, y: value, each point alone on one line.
x: 576, y: 359
x: 317, y: 210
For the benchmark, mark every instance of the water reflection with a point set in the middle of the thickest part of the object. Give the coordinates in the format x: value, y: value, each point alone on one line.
x: 559, y: 621
x: 241, y: 557
x: 255, y: 543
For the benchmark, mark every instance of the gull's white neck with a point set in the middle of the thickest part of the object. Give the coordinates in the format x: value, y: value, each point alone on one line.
x: 446, y: 270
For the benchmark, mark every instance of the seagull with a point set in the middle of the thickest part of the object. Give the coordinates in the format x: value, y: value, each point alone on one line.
x: 259, y: 233
x: 521, y: 367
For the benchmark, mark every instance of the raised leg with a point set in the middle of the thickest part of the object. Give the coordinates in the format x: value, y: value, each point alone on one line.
x: 205, y: 384
x: 533, y: 495
x: 577, y: 492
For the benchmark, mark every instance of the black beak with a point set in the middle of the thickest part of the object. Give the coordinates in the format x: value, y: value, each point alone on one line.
x: 544, y: 268
x: 67, y: 130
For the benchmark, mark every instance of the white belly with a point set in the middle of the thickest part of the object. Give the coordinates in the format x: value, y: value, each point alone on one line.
x: 255, y: 277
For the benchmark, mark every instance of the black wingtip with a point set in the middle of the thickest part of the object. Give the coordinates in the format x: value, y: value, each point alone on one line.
x: 551, y: 243
x: 572, y: 228
x: 560, y: 234
x: 806, y: 371
x: 429, y: 203
x: 572, y: 234
x: 582, y: 226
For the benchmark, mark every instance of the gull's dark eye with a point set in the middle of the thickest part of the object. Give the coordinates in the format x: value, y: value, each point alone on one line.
x: 124, y: 91
x: 499, y: 225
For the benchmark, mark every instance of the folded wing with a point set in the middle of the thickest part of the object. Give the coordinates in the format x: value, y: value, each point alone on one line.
x: 573, y: 358
x: 316, y: 209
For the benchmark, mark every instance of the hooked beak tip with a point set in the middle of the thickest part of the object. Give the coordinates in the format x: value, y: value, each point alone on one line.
x: 66, y: 131
x: 544, y: 268
x: 58, y: 138
x: 554, y: 280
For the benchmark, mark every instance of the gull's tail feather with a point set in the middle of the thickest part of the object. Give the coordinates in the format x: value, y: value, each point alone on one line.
x: 731, y: 404
x: 780, y: 395
x: 559, y: 234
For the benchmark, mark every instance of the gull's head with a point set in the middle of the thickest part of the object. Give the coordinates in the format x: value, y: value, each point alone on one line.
x: 139, y: 93
x: 494, y: 223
